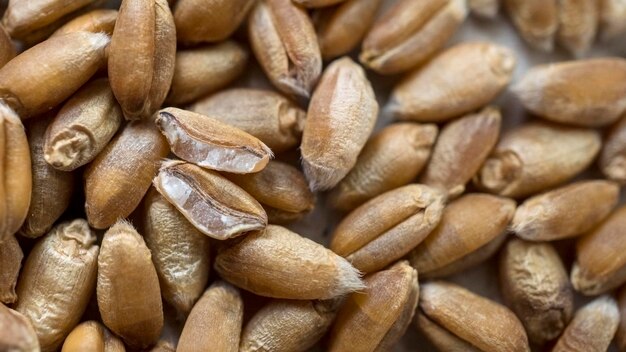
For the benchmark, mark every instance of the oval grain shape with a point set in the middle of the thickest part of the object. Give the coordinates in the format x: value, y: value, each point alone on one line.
x: 199, y: 21
x: 96, y: 21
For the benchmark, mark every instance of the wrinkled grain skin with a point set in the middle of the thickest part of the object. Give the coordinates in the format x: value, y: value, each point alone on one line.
x: 92, y: 336
x: 283, y: 40
x: 535, y: 285
x: 279, y: 263
x: 16, y: 332
x: 199, y: 21
x: 340, y: 119
x: 83, y: 127
x: 467, y: 225
x: 484, y: 8
x: 410, y: 33
x: 24, y: 17
x: 279, y: 186
x: 612, y: 160
x: 592, y: 328
x: 580, y: 93
x: 461, y: 79
x: 536, y: 156
x: 202, y: 71
x: 565, y: 212
x: 119, y: 177
x: 441, y: 338
x: 180, y: 252
x: 374, y: 319
x: 15, y: 173
x: 214, y: 323
x: 10, y: 263
x: 483, y: 323
x: 141, y: 56
x: 317, y: 3
x: 612, y: 19
x: 600, y: 256
x: 461, y: 148
x: 387, y: 227
x: 287, y: 326
x: 341, y: 29
x: 31, y: 88
x: 537, y: 21
x: 215, y: 206
x: 266, y: 115
x: 7, y: 49
x: 390, y: 159
x: 210, y: 143
x: 578, y: 24
x: 96, y: 21
x: 620, y: 337
x: 128, y: 292
x: 57, y: 281
x: 51, y: 189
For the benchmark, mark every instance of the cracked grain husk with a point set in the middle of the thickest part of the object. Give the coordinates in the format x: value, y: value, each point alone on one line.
x: 214, y: 205
x: 460, y: 80
x: 279, y: 263
x: 535, y: 285
x: 343, y: 104
x: 387, y: 227
x: 534, y: 157
x: 367, y: 322
x: 468, y: 226
x: 57, y: 281
x: 390, y: 159
x: 129, y: 298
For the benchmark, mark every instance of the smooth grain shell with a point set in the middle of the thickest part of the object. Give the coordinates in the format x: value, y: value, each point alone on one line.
x: 215, y: 206
x: 340, y: 29
x: 119, y: 177
x: 83, y: 127
x: 612, y: 160
x: 612, y: 19
x: 200, y: 21
x: 601, y: 256
x: 51, y: 189
x: 461, y: 79
x: 141, y: 56
x: 92, y: 336
x: 31, y: 88
x: 565, y: 212
x: 96, y: 21
x: 24, y: 17
x: 537, y: 21
x: 487, y: 9
x: 11, y: 256
x: 16, y: 332
x: 537, y: 156
x: 535, y: 285
x: 410, y: 33
x: 281, y: 264
x: 57, y: 281
x: 287, y: 326
x: 215, y: 322
x: 205, y: 70
x: 388, y: 227
x: 128, y: 291
x: 461, y: 148
x: 441, y: 338
x: 266, y: 115
x: 342, y: 105
x: 483, y: 323
x: 592, y: 328
x: 578, y: 24
x: 374, y: 319
x: 467, y: 225
x: 581, y: 93
x: 390, y: 159
x: 279, y: 186
x: 180, y: 252
x: 210, y: 143
x: 283, y: 40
